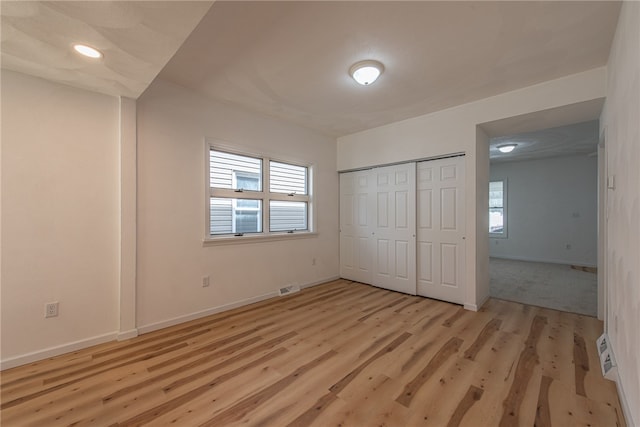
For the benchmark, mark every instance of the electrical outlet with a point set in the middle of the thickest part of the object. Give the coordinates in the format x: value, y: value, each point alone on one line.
x: 51, y: 309
x: 205, y: 282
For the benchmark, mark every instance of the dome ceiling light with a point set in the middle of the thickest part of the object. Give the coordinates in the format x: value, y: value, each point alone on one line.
x: 366, y: 72
x: 506, y: 148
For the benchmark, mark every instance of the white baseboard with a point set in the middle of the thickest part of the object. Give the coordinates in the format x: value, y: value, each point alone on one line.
x: 546, y: 261
x: 12, y: 362
x: 626, y: 409
x: 125, y: 335
x: 214, y: 310
x: 320, y: 282
x: 203, y: 313
x: 476, y: 307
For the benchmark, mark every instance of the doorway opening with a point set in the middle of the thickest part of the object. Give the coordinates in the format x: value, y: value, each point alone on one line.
x: 544, y: 210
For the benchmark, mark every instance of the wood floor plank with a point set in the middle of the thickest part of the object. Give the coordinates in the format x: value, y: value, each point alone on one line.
x: 481, y: 340
x: 523, y: 372
x: 176, y: 402
x: 443, y: 399
x: 448, y: 350
x: 556, y: 347
x: 494, y: 372
x: 365, y: 401
x: 344, y: 381
x: 452, y: 319
x: 562, y: 410
x: 246, y: 405
x: 312, y: 414
x: 473, y: 395
x: 581, y: 363
x: 543, y: 413
x: 341, y: 353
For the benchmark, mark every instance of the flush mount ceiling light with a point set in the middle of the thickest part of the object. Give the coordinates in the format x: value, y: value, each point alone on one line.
x: 87, y: 51
x: 506, y: 148
x: 366, y: 72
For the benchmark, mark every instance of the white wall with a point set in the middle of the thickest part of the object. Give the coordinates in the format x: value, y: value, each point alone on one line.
x: 622, y: 146
x: 172, y: 125
x: 551, y: 203
x: 453, y: 131
x: 482, y: 219
x: 60, y: 216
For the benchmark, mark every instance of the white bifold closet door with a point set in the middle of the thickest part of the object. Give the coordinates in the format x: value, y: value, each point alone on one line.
x: 441, y: 229
x: 356, y: 255
x: 377, y: 227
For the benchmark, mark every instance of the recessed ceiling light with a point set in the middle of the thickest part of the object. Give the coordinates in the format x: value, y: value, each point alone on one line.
x: 88, y: 51
x: 507, y: 148
x: 366, y: 72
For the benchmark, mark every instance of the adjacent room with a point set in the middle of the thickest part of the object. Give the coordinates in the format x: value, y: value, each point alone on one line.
x: 283, y: 213
x: 543, y: 217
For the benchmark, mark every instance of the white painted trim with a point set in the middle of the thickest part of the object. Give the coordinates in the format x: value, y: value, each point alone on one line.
x: 203, y: 313
x: 128, y: 215
x: 505, y: 207
x: 626, y: 409
x: 476, y: 307
x: 120, y: 336
x: 214, y: 310
x: 546, y: 261
x: 265, y: 196
x: 125, y: 335
x: 257, y: 237
x: 320, y: 282
x: 12, y: 362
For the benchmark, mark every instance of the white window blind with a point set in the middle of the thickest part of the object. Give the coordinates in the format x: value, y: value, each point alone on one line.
x: 239, y: 204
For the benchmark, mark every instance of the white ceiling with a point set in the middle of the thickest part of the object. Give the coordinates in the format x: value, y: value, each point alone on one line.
x: 578, y: 138
x: 136, y: 37
x: 291, y: 59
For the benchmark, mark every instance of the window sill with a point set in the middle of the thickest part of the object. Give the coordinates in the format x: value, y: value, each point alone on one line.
x: 497, y: 236
x: 234, y: 240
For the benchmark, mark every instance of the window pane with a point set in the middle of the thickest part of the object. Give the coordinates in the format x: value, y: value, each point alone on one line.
x: 496, y: 207
x: 496, y: 194
x: 496, y: 220
x: 233, y: 171
x: 285, y: 178
x: 232, y: 216
x: 287, y: 216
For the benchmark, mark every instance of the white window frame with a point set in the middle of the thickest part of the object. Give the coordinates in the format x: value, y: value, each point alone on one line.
x: 502, y: 235
x: 265, y: 196
x: 234, y: 203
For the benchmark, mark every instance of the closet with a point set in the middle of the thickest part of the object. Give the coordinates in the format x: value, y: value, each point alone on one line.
x: 402, y: 227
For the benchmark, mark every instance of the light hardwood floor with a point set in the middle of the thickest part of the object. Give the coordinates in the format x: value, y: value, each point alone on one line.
x: 338, y: 354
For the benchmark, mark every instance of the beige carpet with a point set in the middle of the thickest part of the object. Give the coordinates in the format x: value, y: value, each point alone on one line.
x: 554, y: 286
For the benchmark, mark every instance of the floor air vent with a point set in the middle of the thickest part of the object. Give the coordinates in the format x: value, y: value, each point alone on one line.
x: 288, y: 290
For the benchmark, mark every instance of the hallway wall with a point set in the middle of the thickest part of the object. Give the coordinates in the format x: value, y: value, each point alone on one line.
x: 552, y: 210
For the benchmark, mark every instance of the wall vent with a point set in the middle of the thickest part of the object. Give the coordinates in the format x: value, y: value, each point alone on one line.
x: 607, y: 361
x: 288, y: 290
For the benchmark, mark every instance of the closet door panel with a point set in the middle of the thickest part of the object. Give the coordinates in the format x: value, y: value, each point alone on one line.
x: 355, y: 227
x: 395, y: 231
x: 440, y: 229
x: 378, y: 227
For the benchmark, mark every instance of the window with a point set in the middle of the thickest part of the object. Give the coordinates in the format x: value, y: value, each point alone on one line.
x: 245, y: 197
x: 497, y: 209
